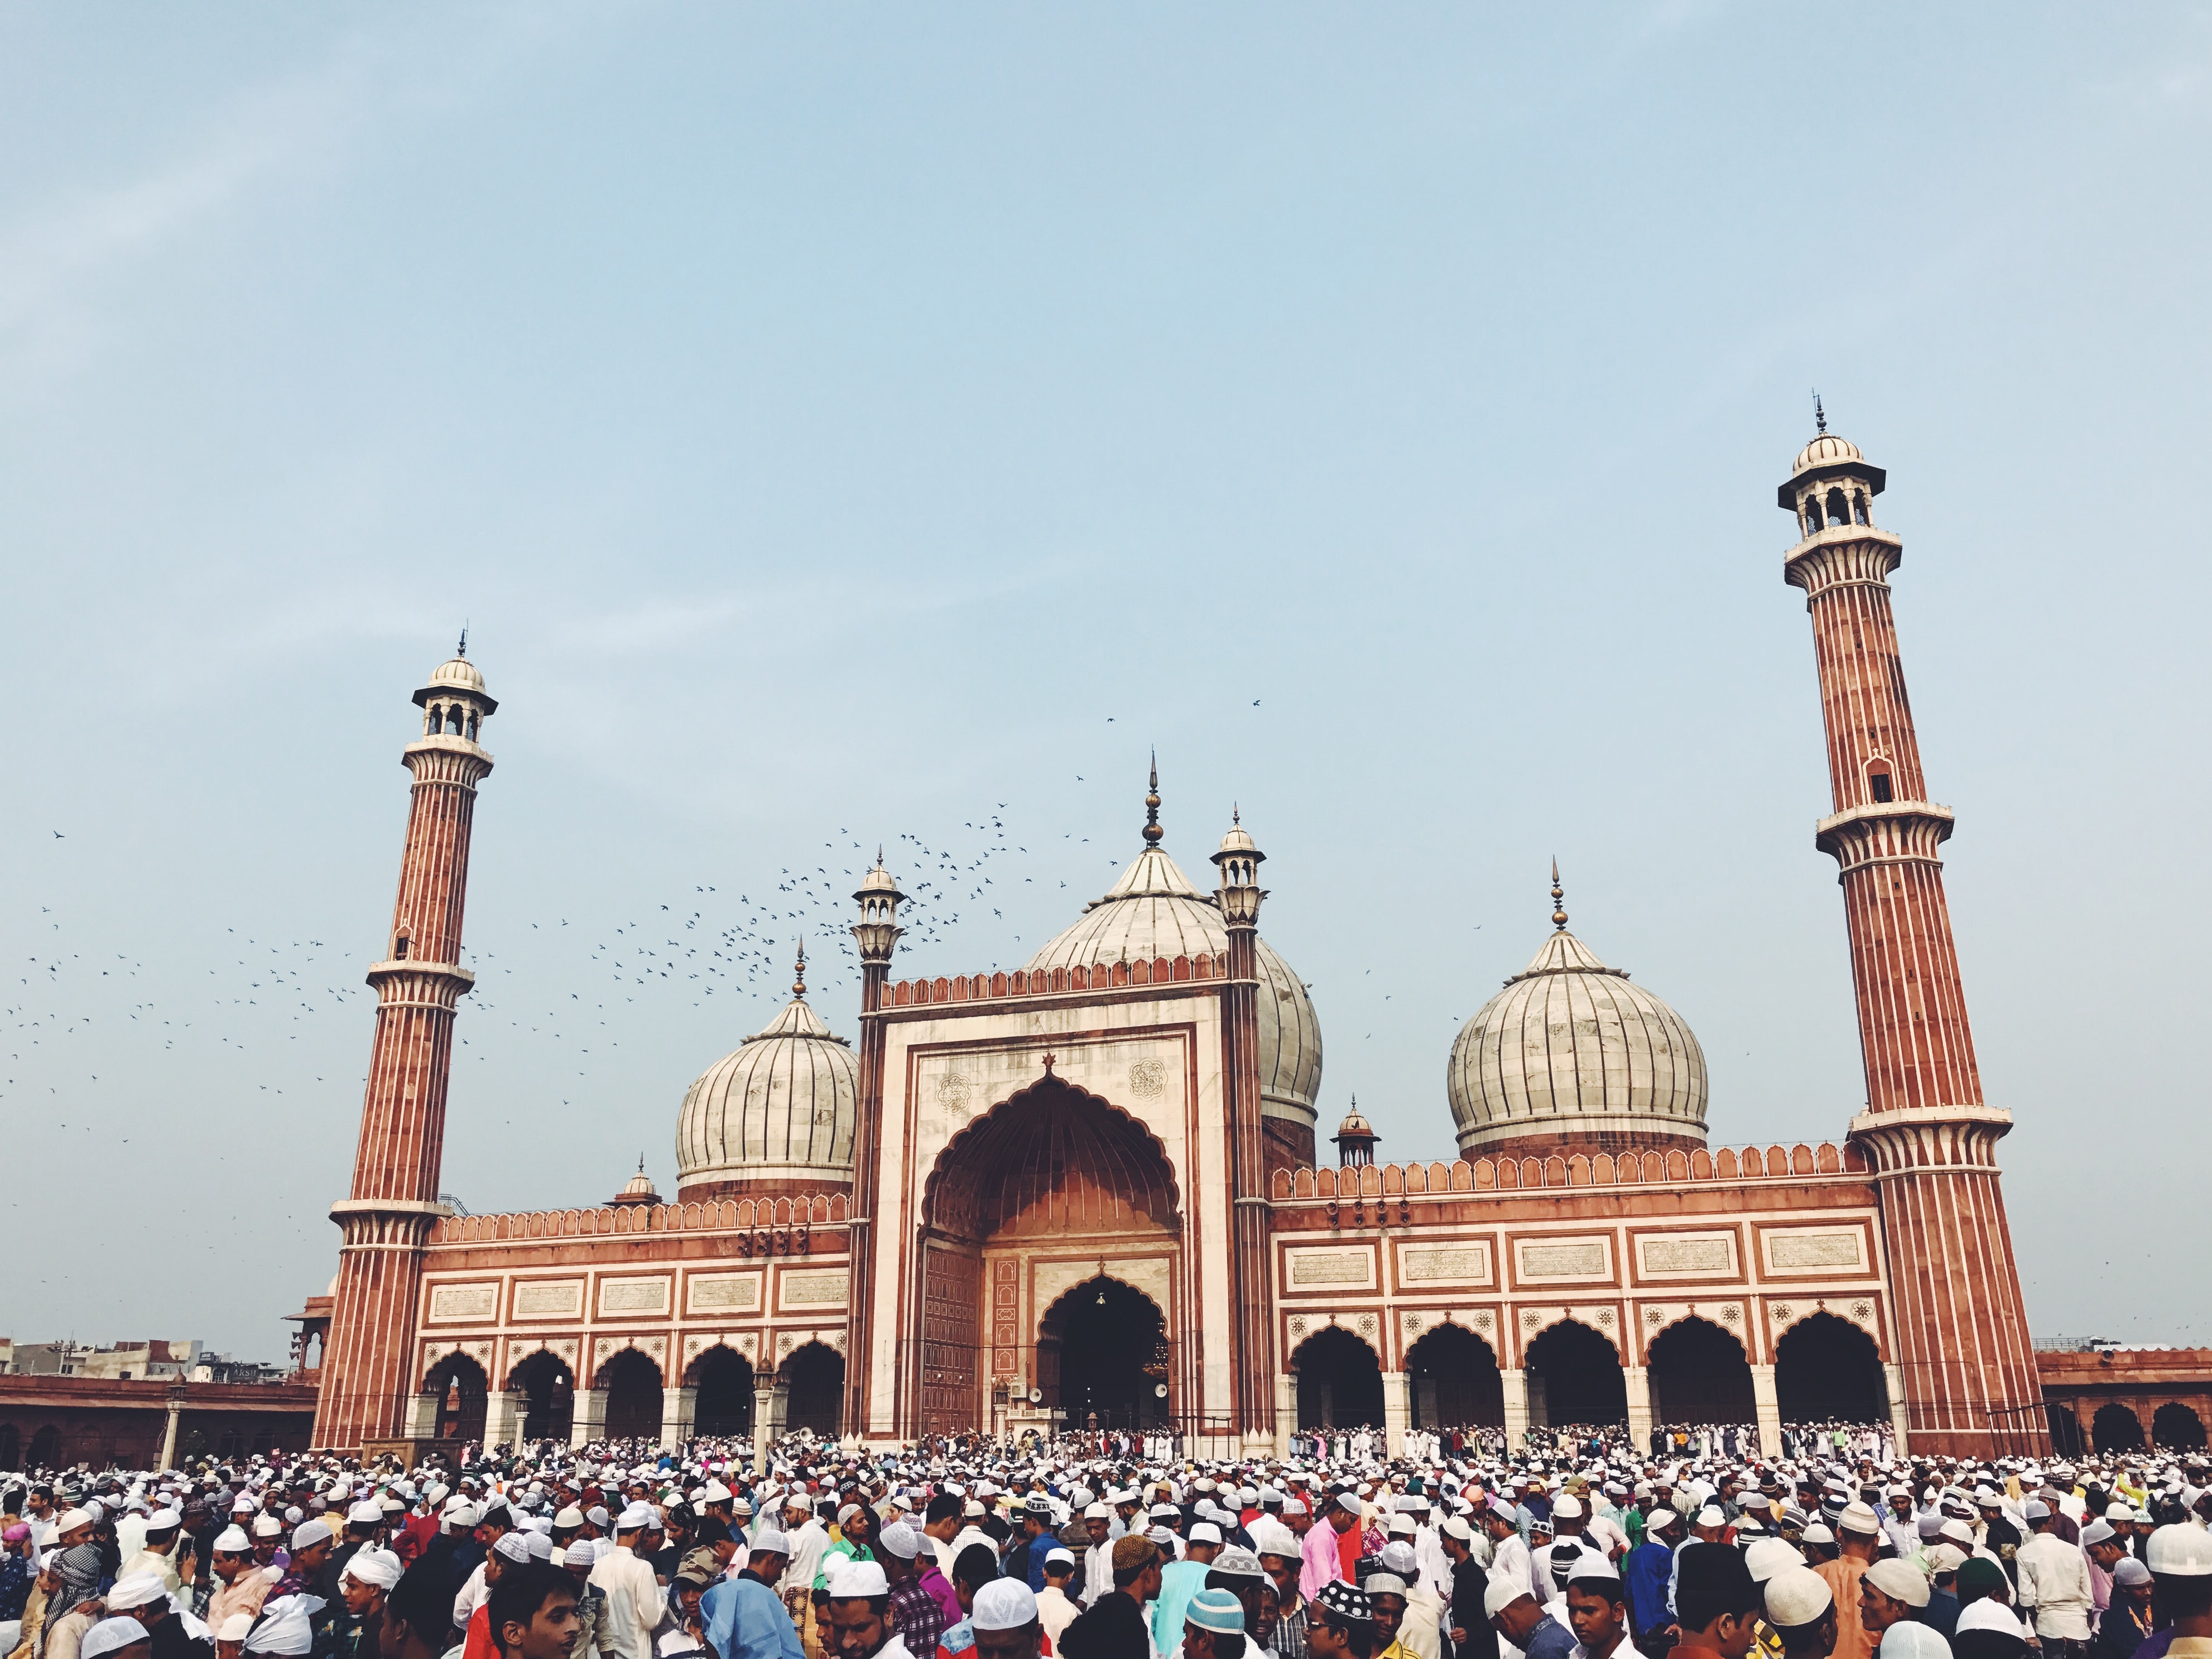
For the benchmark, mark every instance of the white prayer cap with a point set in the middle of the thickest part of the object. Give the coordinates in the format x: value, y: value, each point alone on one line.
x: 1002, y: 1604
x: 580, y: 1554
x: 163, y: 1520
x: 435, y: 1495
x: 568, y: 1515
x: 233, y: 1540
x: 1797, y: 1595
x: 367, y: 1513
x: 2096, y: 1532
x: 268, y: 1526
x: 308, y: 1533
x: 1909, y: 1639
x: 1658, y: 1520
x: 70, y: 1520
x: 2181, y: 1551
x: 859, y: 1581
x: 901, y: 1540
x: 285, y: 1627
x: 1205, y: 1532
x: 1501, y: 1594
x: 1711, y: 1516
x: 1987, y: 1613
x: 767, y: 1541
x: 1817, y: 1533
x: 1900, y: 1581
x: 539, y: 1544
x: 1593, y: 1565
x: 109, y: 1635
x: 2036, y: 1509
x: 1567, y: 1507
x: 1401, y: 1559
x: 1768, y: 1557
x: 511, y: 1547
x: 378, y: 1568
x: 596, y: 1514
x: 637, y: 1517
x: 460, y: 1516
x: 136, y: 1591
x: 716, y: 1492
x: 235, y: 1628
x: 1858, y: 1518
x: 1059, y: 1555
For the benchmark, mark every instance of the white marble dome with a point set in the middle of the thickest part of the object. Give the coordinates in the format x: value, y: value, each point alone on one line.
x: 1154, y: 911
x: 1571, y: 1048
x: 780, y: 1110
x: 1827, y: 450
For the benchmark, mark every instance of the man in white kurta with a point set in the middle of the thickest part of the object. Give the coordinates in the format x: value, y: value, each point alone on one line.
x: 634, y: 1602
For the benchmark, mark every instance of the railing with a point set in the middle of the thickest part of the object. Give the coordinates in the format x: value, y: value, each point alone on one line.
x: 725, y: 1215
x: 1489, y: 1176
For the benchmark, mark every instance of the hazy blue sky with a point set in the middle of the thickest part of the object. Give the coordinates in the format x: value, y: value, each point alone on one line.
x: 841, y: 424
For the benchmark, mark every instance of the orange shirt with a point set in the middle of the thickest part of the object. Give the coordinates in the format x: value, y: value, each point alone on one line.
x: 1853, y: 1639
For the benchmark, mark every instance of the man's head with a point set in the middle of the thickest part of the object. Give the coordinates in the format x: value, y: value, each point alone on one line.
x: 2180, y: 1558
x: 1213, y: 1627
x: 1137, y: 1566
x: 1596, y: 1607
x: 1386, y: 1596
x: 859, y: 1607
x: 531, y: 1611
x: 941, y: 1520
x: 368, y: 1577
x: 1512, y: 1612
x: 1205, y: 1543
x: 311, y: 1544
x: 1802, y: 1611
x: 1716, y: 1603
x: 1006, y: 1620
x: 1342, y: 1625
x: 1892, y: 1592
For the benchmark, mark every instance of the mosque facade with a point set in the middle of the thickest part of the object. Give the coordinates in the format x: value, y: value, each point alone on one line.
x: 1088, y: 1190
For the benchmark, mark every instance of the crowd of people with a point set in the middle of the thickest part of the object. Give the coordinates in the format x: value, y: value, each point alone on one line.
x: 1571, y: 1547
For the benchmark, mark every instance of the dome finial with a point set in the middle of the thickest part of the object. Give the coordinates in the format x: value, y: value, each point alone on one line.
x: 798, y: 978
x: 1559, y: 895
x: 1819, y: 414
x: 462, y: 649
x: 1152, y: 830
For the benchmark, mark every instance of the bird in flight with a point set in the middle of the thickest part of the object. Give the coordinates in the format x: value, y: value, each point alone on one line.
x: 59, y: 836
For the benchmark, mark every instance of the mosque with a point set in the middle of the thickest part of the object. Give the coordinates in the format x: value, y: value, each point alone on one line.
x: 1086, y: 1190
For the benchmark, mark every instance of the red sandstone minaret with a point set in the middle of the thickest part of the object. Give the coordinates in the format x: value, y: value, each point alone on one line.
x: 368, y: 1373
x: 1961, y: 1341
x: 877, y: 934
x: 1252, y: 1335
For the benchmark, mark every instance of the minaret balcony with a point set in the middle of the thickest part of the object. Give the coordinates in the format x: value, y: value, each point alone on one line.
x: 1884, y: 832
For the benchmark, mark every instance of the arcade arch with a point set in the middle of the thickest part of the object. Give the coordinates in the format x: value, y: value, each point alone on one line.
x: 2115, y: 1428
x: 1575, y: 1376
x: 1699, y: 1374
x: 458, y: 1382
x: 2177, y: 1427
x: 1340, y: 1381
x: 724, y: 1402
x: 548, y: 1394
x: 1456, y: 1381
x: 816, y: 1372
x: 631, y: 1382
x: 1827, y: 1367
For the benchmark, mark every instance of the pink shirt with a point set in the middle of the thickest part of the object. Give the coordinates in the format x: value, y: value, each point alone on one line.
x: 1324, y: 1562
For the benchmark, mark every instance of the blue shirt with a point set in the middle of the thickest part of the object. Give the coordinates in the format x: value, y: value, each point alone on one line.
x: 1040, y: 1546
x: 1650, y: 1567
x: 743, y: 1619
x: 1550, y: 1640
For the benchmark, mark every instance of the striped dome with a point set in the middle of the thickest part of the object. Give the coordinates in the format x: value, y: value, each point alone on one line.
x: 779, y: 1110
x: 1154, y: 911
x: 1571, y: 1048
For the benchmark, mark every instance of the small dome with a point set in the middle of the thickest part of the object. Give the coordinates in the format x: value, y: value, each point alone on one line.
x: 779, y: 1110
x: 1570, y: 1049
x: 878, y: 881
x: 456, y: 673
x: 1356, y: 1127
x: 1239, y: 839
x: 1154, y: 911
x: 1827, y: 450
x: 639, y: 1188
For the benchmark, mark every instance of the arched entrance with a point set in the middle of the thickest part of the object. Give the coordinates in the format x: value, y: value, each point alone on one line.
x: 1575, y: 1376
x: 2115, y: 1428
x: 2176, y: 1427
x: 1103, y: 1357
x: 1825, y: 1367
x: 1050, y: 1180
x: 549, y: 1394
x: 816, y: 1372
x: 458, y: 1382
x: 45, y: 1448
x: 1699, y: 1374
x: 1456, y: 1381
x: 632, y: 1383
x: 1340, y: 1382
x: 724, y: 1404
x: 11, y: 1447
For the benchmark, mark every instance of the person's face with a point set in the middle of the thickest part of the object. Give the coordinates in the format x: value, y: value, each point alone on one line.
x: 1280, y: 1573
x: 580, y: 1571
x: 550, y: 1632
x: 857, y: 1630
x: 1878, y: 1611
x: 1100, y: 1530
x: 264, y: 1551
x: 688, y: 1595
x: 1596, y: 1618
x: 1020, y: 1643
x: 1197, y: 1643
x: 1325, y: 1641
x: 1389, y: 1613
x: 1516, y: 1620
x: 1735, y: 1636
x: 312, y: 1559
x: 1342, y: 1519
x: 2107, y: 1554
x: 359, y: 1597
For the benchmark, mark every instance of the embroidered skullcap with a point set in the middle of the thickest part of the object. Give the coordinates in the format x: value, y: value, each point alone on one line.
x: 1797, y: 1595
x: 859, y: 1581
x: 109, y: 1635
x: 1900, y: 1581
x: 1346, y: 1602
x: 2130, y: 1574
x: 1003, y: 1604
x: 1396, y: 1557
x: 1237, y: 1563
x: 512, y: 1548
x: 1214, y: 1610
x: 268, y: 1526
x: 901, y: 1540
x: 2181, y: 1551
x: 1945, y: 1557
x: 233, y: 1540
x: 1384, y: 1584
x: 1858, y: 1518
x: 580, y: 1554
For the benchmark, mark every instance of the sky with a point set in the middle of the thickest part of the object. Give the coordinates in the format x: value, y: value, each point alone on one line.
x: 839, y: 426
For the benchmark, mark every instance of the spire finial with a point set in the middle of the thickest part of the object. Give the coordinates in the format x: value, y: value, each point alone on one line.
x: 1819, y: 414
x: 799, y: 976
x: 1152, y: 830
x: 1234, y: 816
x: 1558, y: 896
x: 641, y: 1163
x: 462, y: 649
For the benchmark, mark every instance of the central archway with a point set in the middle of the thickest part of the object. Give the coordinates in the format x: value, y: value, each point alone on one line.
x: 632, y: 1383
x: 1579, y: 1376
x: 548, y: 1395
x: 1456, y: 1382
x: 816, y: 1372
x: 1827, y: 1367
x: 1340, y: 1382
x: 1699, y: 1374
x: 724, y: 1404
x: 459, y: 1383
x: 1050, y: 1172
x: 1103, y: 1357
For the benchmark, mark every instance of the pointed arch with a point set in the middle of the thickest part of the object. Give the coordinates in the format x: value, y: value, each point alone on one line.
x: 548, y: 1386
x: 1456, y: 1381
x: 1574, y: 1375
x: 1700, y: 1372
x: 815, y: 1373
x: 1339, y: 1380
x: 1103, y: 1354
x: 1052, y: 1157
x: 631, y: 1380
x: 724, y: 1380
x: 1827, y: 1367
